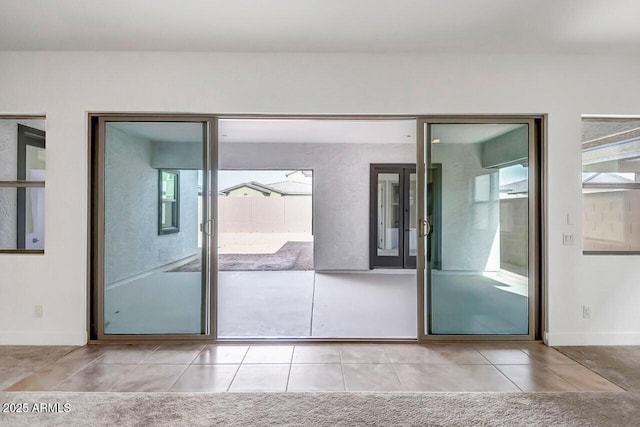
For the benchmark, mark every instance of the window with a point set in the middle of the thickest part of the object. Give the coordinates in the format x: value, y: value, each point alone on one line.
x: 22, y: 182
x: 611, y: 185
x: 169, y: 202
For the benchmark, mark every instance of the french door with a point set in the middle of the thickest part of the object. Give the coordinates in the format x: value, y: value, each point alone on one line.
x: 479, y: 231
x: 393, y: 220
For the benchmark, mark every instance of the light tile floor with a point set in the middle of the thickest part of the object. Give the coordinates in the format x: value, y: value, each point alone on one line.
x: 499, y: 367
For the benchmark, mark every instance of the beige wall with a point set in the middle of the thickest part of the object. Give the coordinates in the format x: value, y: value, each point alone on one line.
x: 611, y: 221
x: 514, y: 237
x: 248, y: 192
x: 290, y: 214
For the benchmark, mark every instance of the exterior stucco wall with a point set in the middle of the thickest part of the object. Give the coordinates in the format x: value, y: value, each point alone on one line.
x: 132, y: 244
x: 470, y: 209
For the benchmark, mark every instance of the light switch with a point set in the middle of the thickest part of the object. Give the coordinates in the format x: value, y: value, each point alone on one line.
x: 571, y: 219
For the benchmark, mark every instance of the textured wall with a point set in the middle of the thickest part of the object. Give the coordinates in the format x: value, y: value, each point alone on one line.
x: 9, y: 172
x: 470, y: 215
x: 340, y: 190
x: 132, y: 244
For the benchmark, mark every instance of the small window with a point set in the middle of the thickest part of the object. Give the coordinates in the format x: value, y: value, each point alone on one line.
x: 169, y: 202
x: 611, y: 185
x: 22, y: 185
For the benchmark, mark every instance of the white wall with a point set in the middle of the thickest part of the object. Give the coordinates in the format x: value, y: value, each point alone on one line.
x: 66, y: 86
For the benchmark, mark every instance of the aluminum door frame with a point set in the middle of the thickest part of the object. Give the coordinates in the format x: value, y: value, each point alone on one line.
x: 97, y: 220
x: 536, y: 240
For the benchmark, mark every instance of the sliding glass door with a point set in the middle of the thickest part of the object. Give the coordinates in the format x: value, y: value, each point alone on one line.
x: 154, y: 230
x: 479, y: 233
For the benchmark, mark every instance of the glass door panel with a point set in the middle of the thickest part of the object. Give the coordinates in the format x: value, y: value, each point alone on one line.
x: 155, y: 252
x: 410, y: 218
x: 388, y: 210
x: 476, y: 203
x: 393, y: 216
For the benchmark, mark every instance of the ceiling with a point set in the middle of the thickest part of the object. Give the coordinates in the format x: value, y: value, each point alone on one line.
x: 470, y: 133
x: 318, y: 131
x: 394, y: 131
x: 433, y: 26
x: 162, y: 131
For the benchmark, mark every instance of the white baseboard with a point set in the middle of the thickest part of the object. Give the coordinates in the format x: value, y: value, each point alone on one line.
x: 593, y: 338
x: 78, y: 338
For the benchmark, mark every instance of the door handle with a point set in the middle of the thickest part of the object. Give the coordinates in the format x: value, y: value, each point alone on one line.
x: 209, y: 227
x: 426, y: 228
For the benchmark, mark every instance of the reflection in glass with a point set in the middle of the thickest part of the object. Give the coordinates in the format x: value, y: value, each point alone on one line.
x: 170, y: 202
x: 413, y: 238
x: 35, y: 163
x: 22, y: 158
x: 388, y: 214
x: 479, y: 283
x: 153, y: 278
x: 611, y: 185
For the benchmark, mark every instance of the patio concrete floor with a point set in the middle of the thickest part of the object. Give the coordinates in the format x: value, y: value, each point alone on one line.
x: 269, y: 304
x: 375, y: 304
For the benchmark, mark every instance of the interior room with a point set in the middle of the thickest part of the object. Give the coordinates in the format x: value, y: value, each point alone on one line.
x: 299, y: 212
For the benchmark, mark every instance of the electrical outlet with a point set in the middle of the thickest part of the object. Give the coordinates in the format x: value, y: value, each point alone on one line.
x: 586, y: 312
x: 38, y: 311
x: 568, y: 239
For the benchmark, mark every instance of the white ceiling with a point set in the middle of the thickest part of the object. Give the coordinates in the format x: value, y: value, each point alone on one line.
x: 162, y: 131
x: 470, y: 133
x: 501, y: 26
x: 318, y: 131
x: 313, y: 131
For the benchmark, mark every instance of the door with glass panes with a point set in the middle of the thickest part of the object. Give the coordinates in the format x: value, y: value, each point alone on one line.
x: 393, y: 236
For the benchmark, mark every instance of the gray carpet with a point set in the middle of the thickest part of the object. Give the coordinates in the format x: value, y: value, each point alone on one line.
x: 291, y: 256
x: 331, y: 409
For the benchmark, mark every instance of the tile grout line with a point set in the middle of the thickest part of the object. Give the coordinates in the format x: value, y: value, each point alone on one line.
x: 149, y: 355
x: 344, y: 381
x: 140, y: 363
x: 313, y: 303
x: 499, y: 370
x: 393, y: 367
x: 46, y: 366
x: 286, y: 388
x: 186, y: 369
x: 586, y: 367
x: 131, y: 371
x: 238, y: 369
x: 179, y: 377
x: 93, y: 362
x: 507, y: 377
